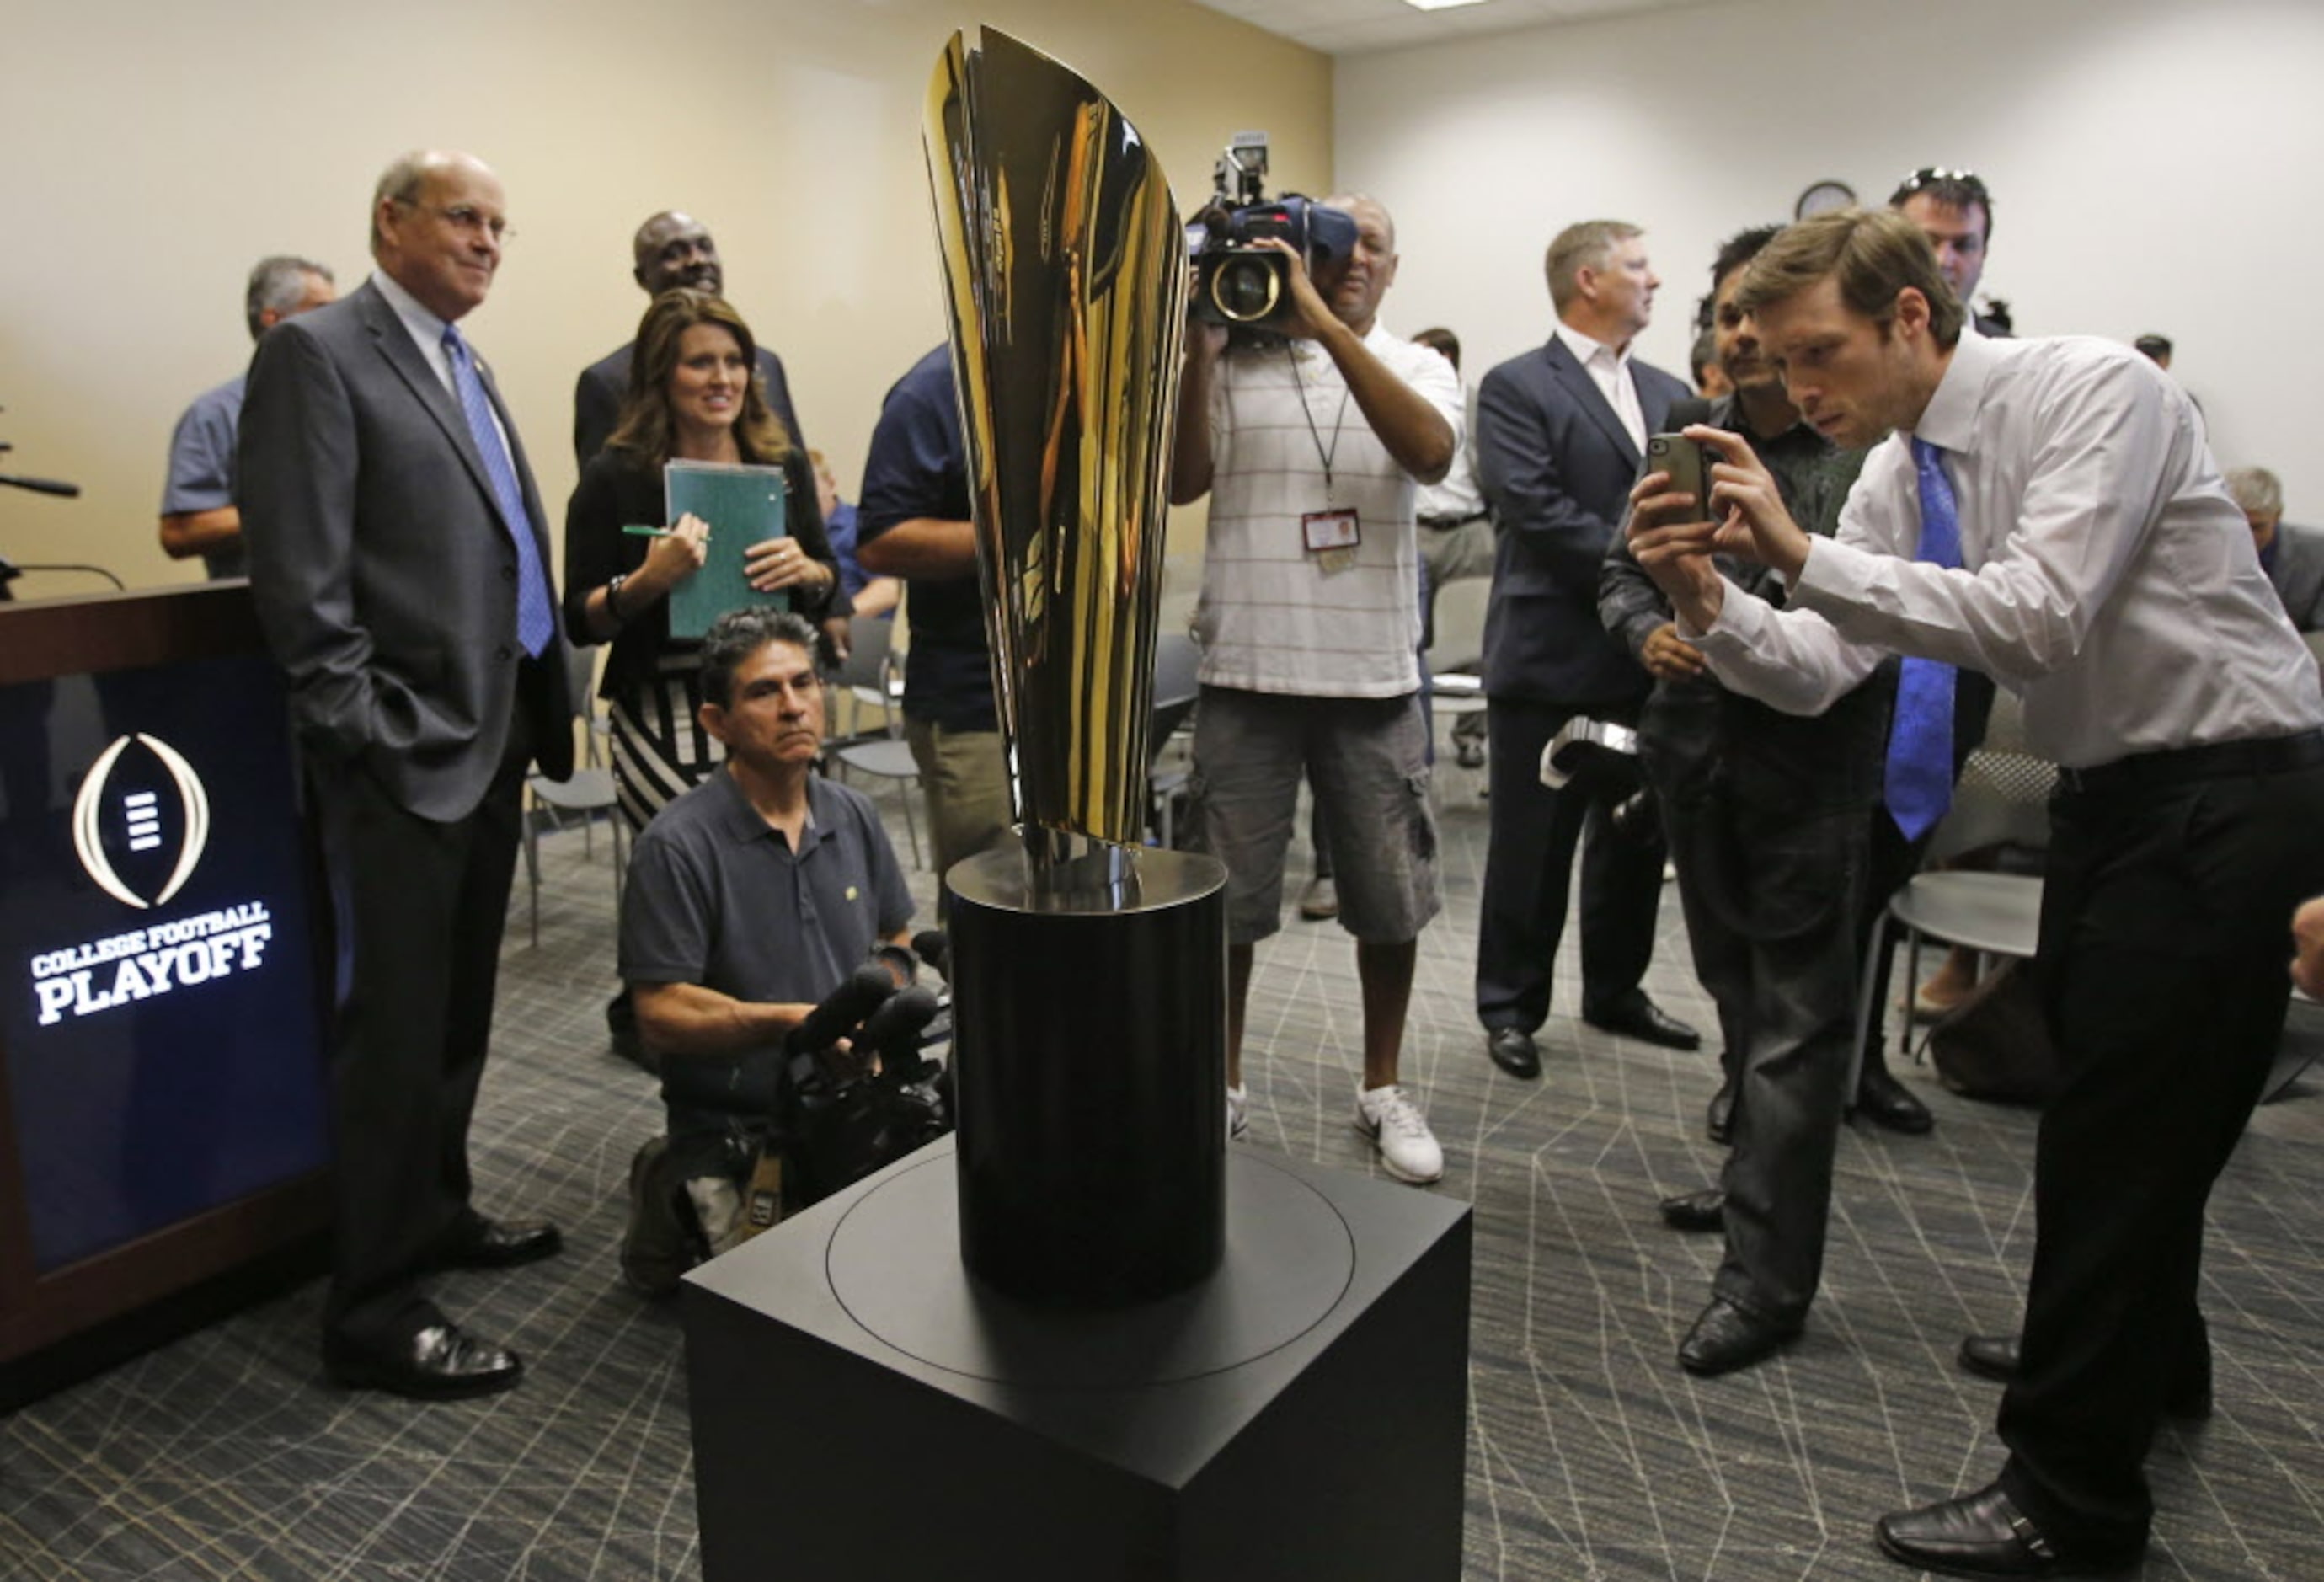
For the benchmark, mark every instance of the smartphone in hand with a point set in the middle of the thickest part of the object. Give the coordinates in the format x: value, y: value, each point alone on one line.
x: 1689, y: 466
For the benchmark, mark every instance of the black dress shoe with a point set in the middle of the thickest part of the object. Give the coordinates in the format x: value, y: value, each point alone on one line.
x: 441, y: 1362
x: 1513, y: 1051
x: 1886, y: 1102
x: 1726, y: 1338
x: 1984, y: 1535
x: 1994, y: 1357
x: 1635, y: 1016
x: 478, y: 1243
x: 1703, y: 1210
x: 1718, y: 1120
x: 1990, y: 1357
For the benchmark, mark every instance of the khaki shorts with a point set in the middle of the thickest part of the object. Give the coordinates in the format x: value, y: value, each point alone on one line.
x: 1367, y: 759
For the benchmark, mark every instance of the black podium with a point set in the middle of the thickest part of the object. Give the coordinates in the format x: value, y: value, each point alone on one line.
x: 862, y: 1407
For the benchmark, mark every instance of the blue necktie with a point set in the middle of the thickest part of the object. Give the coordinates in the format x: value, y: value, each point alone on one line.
x: 536, y: 623
x: 1919, y: 784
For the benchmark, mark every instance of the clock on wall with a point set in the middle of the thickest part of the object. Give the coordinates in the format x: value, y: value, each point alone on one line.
x: 1822, y: 196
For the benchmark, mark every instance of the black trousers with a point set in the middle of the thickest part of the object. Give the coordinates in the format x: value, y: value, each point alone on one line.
x: 2165, y: 929
x: 420, y: 906
x: 1765, y: 820
x: 1529, y: 869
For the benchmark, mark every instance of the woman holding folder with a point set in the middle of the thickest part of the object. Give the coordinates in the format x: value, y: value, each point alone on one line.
x: 693, y: 396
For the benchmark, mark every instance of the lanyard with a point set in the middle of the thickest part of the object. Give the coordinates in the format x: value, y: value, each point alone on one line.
x: 1314, y: 433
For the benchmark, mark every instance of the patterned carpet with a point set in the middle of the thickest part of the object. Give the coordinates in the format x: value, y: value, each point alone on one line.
x: 225, y: 1455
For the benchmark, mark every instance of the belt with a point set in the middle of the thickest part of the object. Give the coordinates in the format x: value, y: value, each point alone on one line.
x: 2180, y: 765
x: 1447, y: 524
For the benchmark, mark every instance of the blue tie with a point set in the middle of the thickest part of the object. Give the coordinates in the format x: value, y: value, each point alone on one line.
x: 1919, y: 785
x: 536, y: 623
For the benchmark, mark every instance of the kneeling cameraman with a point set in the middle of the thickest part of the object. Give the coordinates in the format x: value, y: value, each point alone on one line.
x: 749, y: 898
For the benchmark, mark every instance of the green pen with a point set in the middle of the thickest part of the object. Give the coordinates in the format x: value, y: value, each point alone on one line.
x: 650, y: 532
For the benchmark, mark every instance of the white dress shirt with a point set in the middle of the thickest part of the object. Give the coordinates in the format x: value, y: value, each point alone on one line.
x: 2106, y: 576
x: 1609, y: 369
x: 427, y: 332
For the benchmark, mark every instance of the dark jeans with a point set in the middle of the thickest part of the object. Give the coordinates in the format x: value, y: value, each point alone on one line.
x: 1765, y: 821
x: 2165, y: 929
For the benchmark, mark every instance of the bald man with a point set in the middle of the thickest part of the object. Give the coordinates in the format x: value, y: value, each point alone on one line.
x: 672, y: 249
x: 398, y: 562
x: 1310, y: 447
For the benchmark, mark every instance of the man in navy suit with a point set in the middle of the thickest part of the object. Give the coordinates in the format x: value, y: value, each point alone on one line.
x: 1560, y: 433
x: 400, y: 567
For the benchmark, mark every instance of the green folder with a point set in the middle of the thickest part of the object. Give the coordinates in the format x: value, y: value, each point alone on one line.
x: 743, y: 505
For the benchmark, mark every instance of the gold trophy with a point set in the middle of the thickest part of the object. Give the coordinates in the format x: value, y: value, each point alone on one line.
x: 1089, y: 975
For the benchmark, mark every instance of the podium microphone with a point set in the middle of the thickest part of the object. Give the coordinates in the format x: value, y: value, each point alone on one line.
x: 42, y: 485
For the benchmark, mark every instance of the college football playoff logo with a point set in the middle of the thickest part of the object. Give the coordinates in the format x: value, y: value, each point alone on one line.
x: 144, y: 820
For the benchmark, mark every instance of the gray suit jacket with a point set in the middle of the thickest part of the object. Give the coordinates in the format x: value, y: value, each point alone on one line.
x: 2298, y: 574
x: 1557, y: 466
x: 385, y: 577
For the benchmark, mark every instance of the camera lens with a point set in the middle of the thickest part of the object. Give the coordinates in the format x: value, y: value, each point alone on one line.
x: 1245, y: 290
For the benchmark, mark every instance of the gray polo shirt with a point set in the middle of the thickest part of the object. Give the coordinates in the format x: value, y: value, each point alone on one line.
x: 717, y: 898
x: 201, y: 466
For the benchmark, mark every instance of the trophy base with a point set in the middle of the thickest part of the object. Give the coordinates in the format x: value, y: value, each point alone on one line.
x: 1089, y: 1077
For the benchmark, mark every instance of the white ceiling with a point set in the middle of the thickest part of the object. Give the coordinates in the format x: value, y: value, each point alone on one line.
x: 1351, y: 27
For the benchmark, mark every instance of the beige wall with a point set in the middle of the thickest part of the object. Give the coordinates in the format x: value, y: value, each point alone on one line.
x: 155, y: 151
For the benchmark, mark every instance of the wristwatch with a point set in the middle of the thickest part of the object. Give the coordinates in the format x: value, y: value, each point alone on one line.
x: 614, y: 595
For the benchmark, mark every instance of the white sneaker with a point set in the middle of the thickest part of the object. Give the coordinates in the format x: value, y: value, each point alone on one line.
x: 1320, y: 899
x: 1407, y: 1148
x: 1238, y: 1112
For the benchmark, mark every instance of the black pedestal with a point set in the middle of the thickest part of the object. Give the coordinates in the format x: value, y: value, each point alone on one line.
x: 862, y: 1408
x: 1089, y: 1063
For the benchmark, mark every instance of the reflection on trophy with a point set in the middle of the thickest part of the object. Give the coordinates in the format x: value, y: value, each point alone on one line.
x: 1089, y: 975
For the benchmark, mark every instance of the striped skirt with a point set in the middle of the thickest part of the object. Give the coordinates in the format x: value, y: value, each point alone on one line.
x: 660, y: 747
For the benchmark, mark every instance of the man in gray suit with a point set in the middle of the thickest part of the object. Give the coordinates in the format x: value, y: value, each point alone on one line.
x: 1560, y: 433
x: 2293, y: 557
x: 400, y: 569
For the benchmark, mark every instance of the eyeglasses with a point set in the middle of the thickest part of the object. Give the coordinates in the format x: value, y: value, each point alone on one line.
x: 1934, y: 175
x: 468, y: 219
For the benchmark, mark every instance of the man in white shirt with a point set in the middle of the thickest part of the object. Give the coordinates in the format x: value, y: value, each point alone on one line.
x: 1456, y: 538
x: 1309, y: 447
x: 2046, y: 511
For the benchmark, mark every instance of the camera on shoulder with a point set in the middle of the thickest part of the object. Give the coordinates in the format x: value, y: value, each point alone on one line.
x: 1238, y: 282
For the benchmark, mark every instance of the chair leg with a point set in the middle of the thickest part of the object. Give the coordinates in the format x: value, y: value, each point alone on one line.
x: 532, y: 867
x: 621, y: 861
x: 1912, y: 993
x: 908, y: 789
x: 1880, y: 940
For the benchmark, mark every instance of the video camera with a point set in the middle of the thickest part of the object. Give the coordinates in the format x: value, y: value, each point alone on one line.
x: 1236, y: 282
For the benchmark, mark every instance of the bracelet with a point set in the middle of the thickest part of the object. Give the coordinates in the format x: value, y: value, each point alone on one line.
x: 613, y: 597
